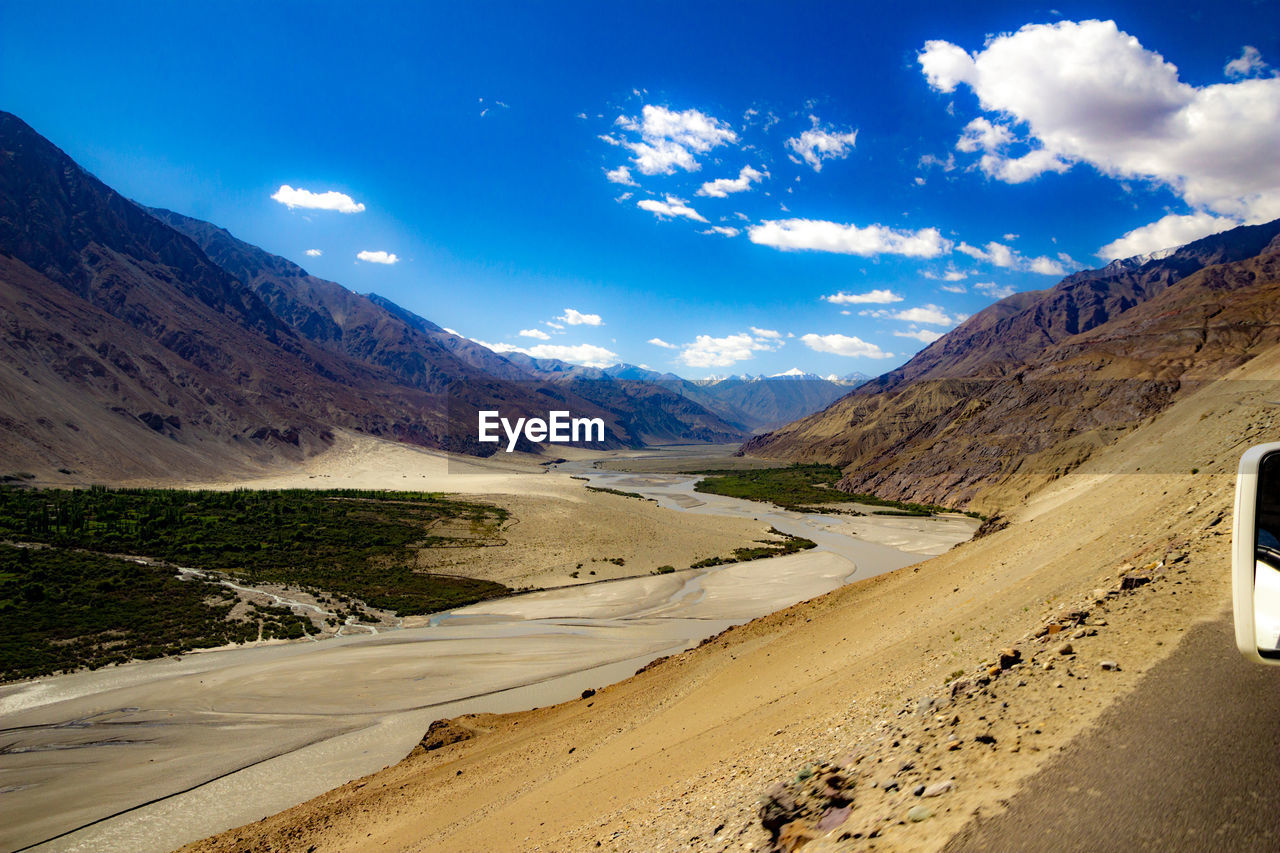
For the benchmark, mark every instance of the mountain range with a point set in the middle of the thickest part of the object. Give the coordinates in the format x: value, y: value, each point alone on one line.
x: 140, y: 341
x: 1031, y: 386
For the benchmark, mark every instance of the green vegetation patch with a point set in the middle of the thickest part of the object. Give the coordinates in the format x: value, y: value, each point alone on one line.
x: 796, y: 488
x: 62, y: 609
x: 767, y: 548
x: 355, y: 543
x: 617, y: 492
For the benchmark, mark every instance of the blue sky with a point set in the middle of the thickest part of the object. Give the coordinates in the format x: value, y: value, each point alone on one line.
x: 704, y: 188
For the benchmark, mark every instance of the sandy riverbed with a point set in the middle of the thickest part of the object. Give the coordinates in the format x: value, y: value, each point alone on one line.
x: 153, y: 754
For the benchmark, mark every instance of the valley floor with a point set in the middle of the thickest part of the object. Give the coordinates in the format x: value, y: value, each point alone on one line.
x: 680, y: 756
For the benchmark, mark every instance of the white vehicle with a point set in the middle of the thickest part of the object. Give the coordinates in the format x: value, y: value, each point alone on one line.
x: 1255, y: 554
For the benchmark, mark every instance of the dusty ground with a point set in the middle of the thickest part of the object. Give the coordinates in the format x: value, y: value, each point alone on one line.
x: 680, y: 756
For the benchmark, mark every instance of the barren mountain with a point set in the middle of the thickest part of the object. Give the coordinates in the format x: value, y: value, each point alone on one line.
x: 1030, y: 387
x: 141, y: 341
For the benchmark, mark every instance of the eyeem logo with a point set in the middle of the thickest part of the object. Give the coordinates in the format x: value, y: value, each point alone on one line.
x: 558, y: 428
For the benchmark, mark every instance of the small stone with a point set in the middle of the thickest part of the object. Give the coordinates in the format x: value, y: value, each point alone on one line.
x: 918, y: 813
x: 1066, y: 649
x: 1110, y: 665
x: 937, y: 789
x: 1008, y: 657
x: 891, y: 785
x: 1058, y: 684
x: 1080, y: 635
x: 918, y: 790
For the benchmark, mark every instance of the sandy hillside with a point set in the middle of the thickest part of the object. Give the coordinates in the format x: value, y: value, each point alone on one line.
x: 679, y: 757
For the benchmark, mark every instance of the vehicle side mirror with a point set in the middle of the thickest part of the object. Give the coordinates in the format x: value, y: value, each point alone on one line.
x: 1255, y: 554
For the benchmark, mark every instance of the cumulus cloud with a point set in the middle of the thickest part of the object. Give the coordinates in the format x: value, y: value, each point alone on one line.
x: 670, y: 140
x: 1000, y: 255
x: 1248, y: 64
x: 723, y: 230
x: 378, y: 257
x: 314, y: 253
x: 871, y: 297
x: 955, y: 288
x: 823, y: 236
x: 535, y: 333
x: 721, y: 187
x: 929, y: 315
x: 659, y: 342
x: 709, y: 351
x: 331, y: 200
x: 577, y: 318
x: 670, y: 208
x: 620, y: 175
x: 925, y: 336
x: 820, y: 143
x: 846, y: 345
x: 766, y: 333
x: 588, y: 355
x: 1165, y: 233
x: 999, y: 291
x: 1087, y: 92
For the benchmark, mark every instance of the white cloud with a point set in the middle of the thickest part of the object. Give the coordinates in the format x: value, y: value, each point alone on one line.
x: 954, y: 288
x: 1089, y: 93
x: 999, y: 291
x: 378, y: 257
x: 846, y: 345
x: 672, y: 207
x: 588, y: 355
x: 577, y: 318
x: 620, y: 175
x: 871, y: 297
x: 314, y: 253
x: 724, y: 230
x: 925, y: 336
x: 535, y: 333
x: 1000, y: 255
x: 670, y: 140
x: 659, y: 342
x: 1165, y: 233
x: 1046, y: 266
x: 823, y: 236
x: 553, y: 325
x: 721, y: 187
x: 932, y: 315
x: 331, y: 200
x: 766, y: 333
x: 817, y: 144
x: 1248, y: 64
x: 708, y: 351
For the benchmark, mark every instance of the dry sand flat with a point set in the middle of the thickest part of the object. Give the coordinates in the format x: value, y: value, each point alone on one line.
x: 678, y: 757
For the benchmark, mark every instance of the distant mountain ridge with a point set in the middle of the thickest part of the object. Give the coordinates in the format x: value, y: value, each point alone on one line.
x: 1031, y: 385
x: 750, y: 403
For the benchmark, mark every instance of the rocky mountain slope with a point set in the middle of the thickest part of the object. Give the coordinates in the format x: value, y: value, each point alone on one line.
x: 1030, y: 387
x: 142, y: 341
x: 423, y: 355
